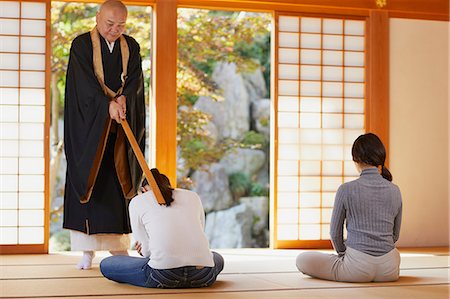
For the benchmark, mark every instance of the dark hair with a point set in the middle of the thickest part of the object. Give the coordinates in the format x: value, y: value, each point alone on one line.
x: 167, y: 188
x: 369, y: 149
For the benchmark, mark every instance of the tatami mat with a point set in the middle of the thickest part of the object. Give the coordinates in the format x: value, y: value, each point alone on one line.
x: 247, y: 274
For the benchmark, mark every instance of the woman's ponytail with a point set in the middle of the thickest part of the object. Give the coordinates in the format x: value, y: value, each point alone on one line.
x: 386, y: 173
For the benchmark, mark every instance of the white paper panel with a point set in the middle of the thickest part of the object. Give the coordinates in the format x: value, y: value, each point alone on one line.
x: 9, y: 44
x: 332, y: 89
x: 328, y: 199
x: 331, y: 121
x: 288, y: 120
x: 29, y: 96
x: 354, y: 106
x: 288, y: 55
x: 9, y: 9
x: 8, y: 200
x: 309, y: 120
x: 8, y: 182
x: 333, y: 26
x: 326, y: 216
x: 310, y: 168
x: 32, y: 113
x: 334, y: 42
x: 288, y: 104
x: 354, y: 58
x: 32, y: 79
x: 353, y: 27
x: 348, y: 153
x: 350, y: 168
x: 31, y: 218
x: 287, y: 216
x: 288, y: 151
x: 310, y: 57
x: 289, y: 88
x: 332, y: 136
x: 287, y: 199
x: 33, y: 10
x: 332, y: 73
x: 310, y: 72
x: 9, y: 131
x: 8, y: 235
x: 288, y: 136
x: 331, y: 168
x: 287, y: 168
x: 288, y: 184
x: 31, y: 131
x: 309, y: 184
x: 354, y: 43
x: 354, y: 90
x: 325, y: 231
x: 331, y: 184
x: 333, y: 105
x: 29, y: 148
x: 8, y: 218
x: 309, y: 232
x: 31, y: 200
x: 31, y: 183
x: 31, y: 165
x: 287, y: 232
x: 32, y: 44
x: 310, y: 88
x: 286, y: 23
x: 9, y: 148
x: 8, y: 165
x: 31, y: 235
x: 309, y: 199
x: 351, y: 135
x: 288, y: 40
x: 354, y: 121
x: 310, y: 152
x: 33, y: 62
x: 9, y: 61
x: 354, y: 74
x: 332, y: 57
x: 9, y: 113
x: 310, y: 104
x: 311, y: 25
x: 333, y: 152
x: 286, y: 71
x: 9, y: 96
x: 9, y: 78
x: 311, y: 136
x: 9, y: 27
x: 310, y: 41
x: 33, y: 27
x: 309, y: 216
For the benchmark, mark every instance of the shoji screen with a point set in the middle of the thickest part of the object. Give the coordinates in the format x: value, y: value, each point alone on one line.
x: 320, y: 110
x: 22, y: 122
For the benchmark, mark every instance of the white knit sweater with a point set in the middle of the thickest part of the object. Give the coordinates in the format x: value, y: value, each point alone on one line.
x: 171, y: 236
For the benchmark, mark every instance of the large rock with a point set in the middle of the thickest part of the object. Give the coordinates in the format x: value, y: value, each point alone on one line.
x: 261, y: 116
x: 259, y: 205
x: 212, y: 187
x: 245, y: 160
x: 255, y: 84
x: 232, y: 114
x: 230, y: 228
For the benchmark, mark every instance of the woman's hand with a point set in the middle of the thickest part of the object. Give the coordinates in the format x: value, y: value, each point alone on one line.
x: 138, y: 247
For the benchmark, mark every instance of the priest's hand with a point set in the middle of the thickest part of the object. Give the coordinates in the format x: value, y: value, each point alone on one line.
x: 145, y: 188
x: 116, y: 111
x: 122, y: 101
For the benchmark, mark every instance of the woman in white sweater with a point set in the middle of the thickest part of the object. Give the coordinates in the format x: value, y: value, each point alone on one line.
x: 171, y: 240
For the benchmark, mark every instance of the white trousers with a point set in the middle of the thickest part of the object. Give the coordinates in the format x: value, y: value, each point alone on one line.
x: 353, y: 266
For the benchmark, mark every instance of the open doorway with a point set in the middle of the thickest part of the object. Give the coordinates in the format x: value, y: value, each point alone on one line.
x: 69, y: 19
x: 223, y: 131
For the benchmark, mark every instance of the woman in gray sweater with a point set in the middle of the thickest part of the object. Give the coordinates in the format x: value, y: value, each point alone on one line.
x: 371, y: 207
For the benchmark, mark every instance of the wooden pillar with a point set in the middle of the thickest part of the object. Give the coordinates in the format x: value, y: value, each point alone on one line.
x: 377, y: 109
x: 165, y: 86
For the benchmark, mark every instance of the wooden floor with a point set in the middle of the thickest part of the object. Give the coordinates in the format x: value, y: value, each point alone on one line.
x: 248, y: 273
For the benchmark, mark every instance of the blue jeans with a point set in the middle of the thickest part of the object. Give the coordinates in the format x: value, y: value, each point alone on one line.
x: 136, y: 271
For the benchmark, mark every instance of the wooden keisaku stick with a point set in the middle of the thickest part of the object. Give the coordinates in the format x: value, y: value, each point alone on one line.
x: 140, y: 157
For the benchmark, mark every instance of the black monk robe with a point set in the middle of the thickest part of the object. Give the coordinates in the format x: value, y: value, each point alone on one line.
x: 102, y: 171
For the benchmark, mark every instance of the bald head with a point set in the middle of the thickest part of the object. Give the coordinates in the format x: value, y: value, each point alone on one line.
x: 111, y: 19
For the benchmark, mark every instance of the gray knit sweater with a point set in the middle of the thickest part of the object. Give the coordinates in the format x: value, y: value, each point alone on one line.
x: 371, y: 206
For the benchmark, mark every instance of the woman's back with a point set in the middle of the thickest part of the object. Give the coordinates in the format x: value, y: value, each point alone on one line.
x: 371, y: 206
